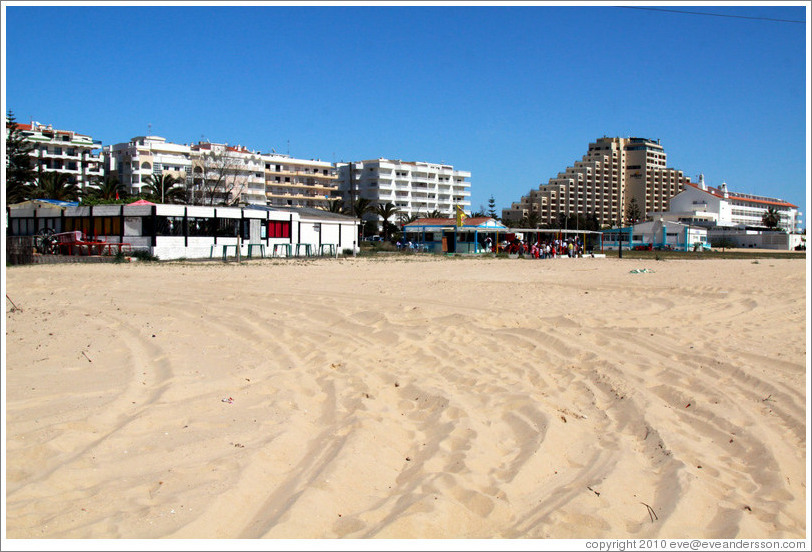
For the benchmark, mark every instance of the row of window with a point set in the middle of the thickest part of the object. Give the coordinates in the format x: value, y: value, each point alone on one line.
x: 162, y: 226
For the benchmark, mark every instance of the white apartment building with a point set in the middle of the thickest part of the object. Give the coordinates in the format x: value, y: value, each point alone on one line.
x: 700, y: 203
x: 414, y: 187
x: 291, y: 182
x: 143, y: 156
x: 603, y: 182
x: 227, y: 175
x: 64, y: 151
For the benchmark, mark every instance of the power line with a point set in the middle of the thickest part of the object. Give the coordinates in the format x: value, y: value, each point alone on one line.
x: 714, y: 14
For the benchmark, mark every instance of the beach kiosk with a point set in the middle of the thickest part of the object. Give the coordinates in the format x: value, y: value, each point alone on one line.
x: 475, y: 235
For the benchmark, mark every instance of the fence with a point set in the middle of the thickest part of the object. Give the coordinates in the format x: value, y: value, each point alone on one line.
x: 19, y: 250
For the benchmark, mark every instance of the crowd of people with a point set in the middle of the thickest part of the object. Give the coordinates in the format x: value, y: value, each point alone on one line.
x: 542, y: 249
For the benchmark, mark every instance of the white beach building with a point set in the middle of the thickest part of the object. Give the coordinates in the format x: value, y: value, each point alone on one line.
x: 192, y: 231
x: 702, y: 204
x: 659, y: 234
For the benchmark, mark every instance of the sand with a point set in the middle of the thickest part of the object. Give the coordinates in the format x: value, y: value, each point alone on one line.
x: 418, y: 397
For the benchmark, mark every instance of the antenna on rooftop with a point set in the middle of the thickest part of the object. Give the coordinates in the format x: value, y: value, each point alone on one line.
x: 149, y: 129
x: 288, y: 147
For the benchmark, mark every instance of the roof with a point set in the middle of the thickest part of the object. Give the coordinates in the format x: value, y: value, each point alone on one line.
x: 46, y: 203
x: 469, y: 222
x: 310, y: 212
x: 733, y: 195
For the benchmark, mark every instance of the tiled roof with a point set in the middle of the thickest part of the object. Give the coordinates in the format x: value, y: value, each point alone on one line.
x: 469, y: 221
x: 734, y: 196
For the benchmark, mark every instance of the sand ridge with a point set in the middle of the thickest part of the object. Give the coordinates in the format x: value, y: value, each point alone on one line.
x: 411, y: 398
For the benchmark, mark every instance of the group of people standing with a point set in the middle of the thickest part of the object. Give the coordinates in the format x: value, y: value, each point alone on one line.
x: 549, y: 249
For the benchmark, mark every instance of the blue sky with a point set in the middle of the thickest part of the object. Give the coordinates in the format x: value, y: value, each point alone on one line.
x: 512, y: 94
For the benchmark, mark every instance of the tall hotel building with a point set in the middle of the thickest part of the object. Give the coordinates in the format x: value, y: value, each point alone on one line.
x: 613, y: 171
x: 64, y: 151
x: 414, y: 187
x: 233, y: 175
x: 293, y: 182
x: 135, y: 161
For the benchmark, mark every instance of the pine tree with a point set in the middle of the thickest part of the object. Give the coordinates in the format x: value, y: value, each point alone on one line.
x: 492, y: 208
x: 20, y: 173
x: 633, y: 213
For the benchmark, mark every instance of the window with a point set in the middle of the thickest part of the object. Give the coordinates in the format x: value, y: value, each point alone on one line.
x: 169, y: 226
x: 226, y: 228
x: 278, y: 229
x: 198, y: 226
x: 106, y: 226
x: 57, y: 151
x: 22, y: 226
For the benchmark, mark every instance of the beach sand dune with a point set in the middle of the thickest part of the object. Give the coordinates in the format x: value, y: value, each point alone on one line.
x: 414, y: 398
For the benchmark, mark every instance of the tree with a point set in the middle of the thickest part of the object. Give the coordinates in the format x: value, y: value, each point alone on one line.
x: 491, y: 212
x: 633, y: 213
x: 438, y: 214
x: 108, y: 189
x: 165, y: 188
x: 404, y: 218
x: 219, y: 178
x: 20, y: 173
x: 480, y: 213
x: 361, y: 207
x: 531, y: 220
x: 386, y: 211
x: 771, y: 218
x: 56, y: 185
x: 335, y: 207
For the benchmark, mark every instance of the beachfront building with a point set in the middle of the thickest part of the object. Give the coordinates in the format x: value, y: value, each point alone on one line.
x: 189, y: 231
x: 64, y: 151
x: 291, y: 182
x: 226, y: 175
x: 443, y: 235
x: 136, y: 161
x: 703, y: 204
x: 659, y: 234
x: 606, y: 179
x: 414, y: 187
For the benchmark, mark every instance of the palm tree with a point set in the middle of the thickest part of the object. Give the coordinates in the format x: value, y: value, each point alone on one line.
x: 531, y: 220
x: 165, y: 188
x: 360, y: 208
x: 403, y: 218
x: 438, y: 214
x: 109, y: 188
x: 386, y: 211
x: 771, y: 218
x: 335, y: 207
x: 56, y: 185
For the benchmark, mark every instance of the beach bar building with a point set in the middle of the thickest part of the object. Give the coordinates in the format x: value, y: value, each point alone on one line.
x: 191, y: 231
x: 442, y: 235
x: 658, y: 234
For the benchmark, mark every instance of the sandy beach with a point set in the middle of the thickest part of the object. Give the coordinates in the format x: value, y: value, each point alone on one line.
x: 411, y: 397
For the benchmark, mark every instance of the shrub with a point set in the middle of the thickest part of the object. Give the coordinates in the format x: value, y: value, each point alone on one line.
x: 144, y: 255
